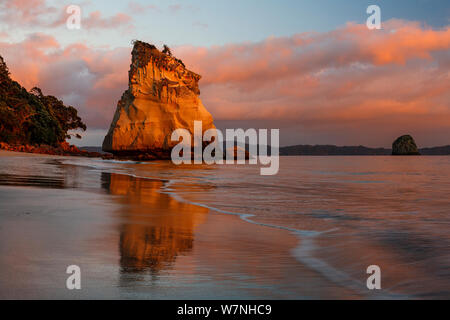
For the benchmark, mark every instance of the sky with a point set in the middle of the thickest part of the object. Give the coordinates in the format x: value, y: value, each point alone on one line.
x: 310, y: 68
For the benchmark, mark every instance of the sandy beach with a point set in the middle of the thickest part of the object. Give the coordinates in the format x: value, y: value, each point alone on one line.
x: 156, y: 231
x: 133, y: 241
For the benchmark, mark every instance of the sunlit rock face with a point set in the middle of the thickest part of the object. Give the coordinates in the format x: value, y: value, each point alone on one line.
x: 162, y: 96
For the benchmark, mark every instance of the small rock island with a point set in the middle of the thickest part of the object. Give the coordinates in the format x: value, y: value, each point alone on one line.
x: 405, y: 146
x: 162, y: 96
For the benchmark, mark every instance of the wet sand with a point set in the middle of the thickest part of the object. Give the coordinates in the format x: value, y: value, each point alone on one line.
x: 4, y: 153
x: 133, y: 240
x: 160, y: 231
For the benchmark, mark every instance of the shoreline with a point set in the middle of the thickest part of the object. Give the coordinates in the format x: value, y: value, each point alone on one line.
x: 106, y: 208
x: 174, y: 227
x: 8, y: 153
x: 64, y: 149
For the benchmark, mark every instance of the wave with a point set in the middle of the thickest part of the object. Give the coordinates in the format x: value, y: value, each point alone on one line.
x: 303, y: 252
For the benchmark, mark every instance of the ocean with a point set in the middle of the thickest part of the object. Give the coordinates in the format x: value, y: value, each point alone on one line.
x: 155, y: 230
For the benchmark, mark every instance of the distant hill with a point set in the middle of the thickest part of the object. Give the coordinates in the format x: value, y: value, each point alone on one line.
x: 331, y: 150
x: 436, y: 151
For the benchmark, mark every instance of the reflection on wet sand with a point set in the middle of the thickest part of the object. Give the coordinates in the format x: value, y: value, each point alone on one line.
x: 31, y: 181
x: 155, y: 228
x: 44, y: 173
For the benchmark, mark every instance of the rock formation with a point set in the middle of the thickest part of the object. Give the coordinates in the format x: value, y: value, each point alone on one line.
x: 162, y: 96
x: 404, y: 146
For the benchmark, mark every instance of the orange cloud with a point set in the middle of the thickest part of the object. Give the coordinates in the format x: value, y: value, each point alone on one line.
x: 277, y: 58
x: 348, y: 73
x: 90, y: 79
x: 137, y: 8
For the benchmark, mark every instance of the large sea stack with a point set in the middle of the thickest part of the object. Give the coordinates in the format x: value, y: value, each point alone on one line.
x: 162, y: 96
x: 405, y: 146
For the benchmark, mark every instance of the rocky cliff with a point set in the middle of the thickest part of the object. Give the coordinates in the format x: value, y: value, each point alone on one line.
x: 33, y: 122
x: 162, y: 96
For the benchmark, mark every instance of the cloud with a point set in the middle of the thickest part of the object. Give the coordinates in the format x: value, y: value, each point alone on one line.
x: 90, y: 79
x: 137, y: 8
x: 37, y: 13
x: 349, y: 74
x: 308, y: 53
x: 174, y: 8
x: 200, y: 25
x: 25, y: 12
x: 351, y: 82
x: 96, y: 21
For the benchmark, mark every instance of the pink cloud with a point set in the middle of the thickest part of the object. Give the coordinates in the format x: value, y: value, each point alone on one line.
x: 200, y: 25
x: 95, y: 20
x: 345, y: 74
x: 90, y: 79
x: 175, y: 8
x: 38, y: 13
x: 307, y: 53
x: 25, y: 12
x: 137, y: 8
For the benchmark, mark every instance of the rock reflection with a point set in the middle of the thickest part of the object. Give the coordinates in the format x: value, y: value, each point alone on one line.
x: 155, y: 228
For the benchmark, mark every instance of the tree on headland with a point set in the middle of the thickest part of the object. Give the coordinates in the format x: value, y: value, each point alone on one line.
x: 32, y: 117
x: 67, y: 116
x: 4, y: 71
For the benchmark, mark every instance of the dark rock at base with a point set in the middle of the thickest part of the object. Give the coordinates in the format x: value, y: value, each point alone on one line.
x: 405, y: 146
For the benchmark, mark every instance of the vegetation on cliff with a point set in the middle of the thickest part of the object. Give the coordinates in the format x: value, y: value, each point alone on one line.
x: 32, y: 118
x: 405, y: 146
